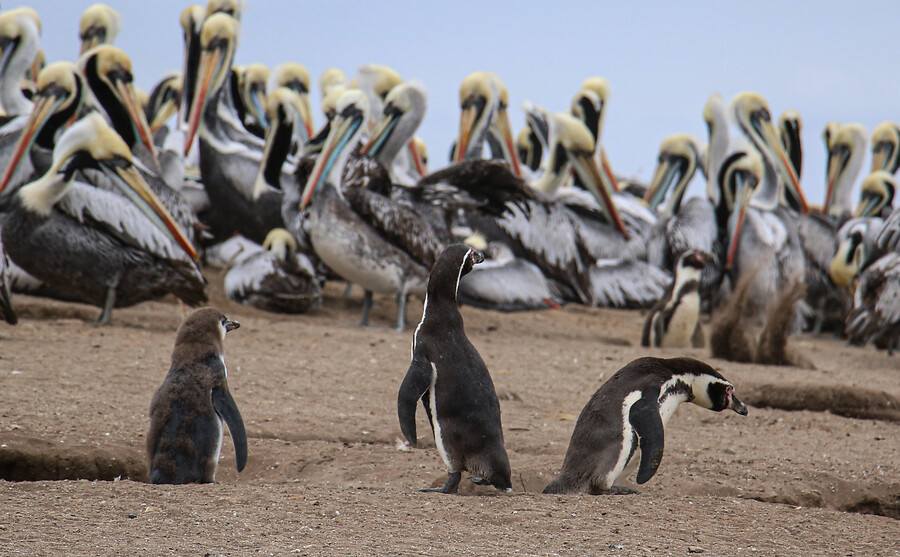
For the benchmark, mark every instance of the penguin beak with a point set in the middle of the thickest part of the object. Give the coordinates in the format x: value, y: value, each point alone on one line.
x: 586, y: 167
x: 44, y: 107
x: 735, y: 404
x: 477, y: 257
x: 231, y: 325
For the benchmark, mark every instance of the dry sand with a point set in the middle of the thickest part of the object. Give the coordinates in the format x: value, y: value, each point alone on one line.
x: 325, y: 477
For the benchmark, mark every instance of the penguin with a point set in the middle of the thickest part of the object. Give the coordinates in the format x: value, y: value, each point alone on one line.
x: 673, y: 320
x: 628, y: 414
x: 450, y: 377
x: 188, y: 412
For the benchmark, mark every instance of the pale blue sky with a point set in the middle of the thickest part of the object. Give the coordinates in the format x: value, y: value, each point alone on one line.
x: 829, y: 60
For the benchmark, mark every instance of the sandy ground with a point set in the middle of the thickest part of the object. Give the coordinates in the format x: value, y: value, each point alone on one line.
x: 325, y: 476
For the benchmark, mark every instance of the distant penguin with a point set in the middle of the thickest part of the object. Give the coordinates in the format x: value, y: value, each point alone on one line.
x: 674, y: 321
x: 627, y: 416
x: 450, y: 377
x: 188, y: 412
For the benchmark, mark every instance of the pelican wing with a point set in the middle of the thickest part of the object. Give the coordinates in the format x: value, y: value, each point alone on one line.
x: 272, y: 284
x: 400, y: 225
x: 627, y: 284
x: 511, y: 285
x: 889, y: 240
x: 122, y: 219
x: 694, y: 227
x: 484, y: 185
x: 877, y: 304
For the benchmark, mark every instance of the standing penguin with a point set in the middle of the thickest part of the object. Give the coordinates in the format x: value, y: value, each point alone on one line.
x: 628, y: 414
x: 450, y: 377
x: 673, y: 322
x: 188, y: 412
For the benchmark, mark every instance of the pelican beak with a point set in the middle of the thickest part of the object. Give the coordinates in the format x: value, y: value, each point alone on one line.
x: 845, y: 263
x: 210, y: 60
x: 342, y: 129
x: 166, y: 111
x: 607, y: 170
x: 736, y: 222
x: 881, y: 154
x: 383, y: 129
x: 43, y: 109
x: 416, y: 157
x: 663, y: 179
x: 6, y: 51
x: 837, y: 161
x: 586, y: 166
x: 127, y: 178
x: 256, y: 106
x: 128, y: 97
x: 471, y: 111
x: 503, y: 130
x: 785, y: 167
x: 868, y: 204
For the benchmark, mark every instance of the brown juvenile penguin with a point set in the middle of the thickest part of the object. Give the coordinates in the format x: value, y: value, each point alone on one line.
x: 188, y: 412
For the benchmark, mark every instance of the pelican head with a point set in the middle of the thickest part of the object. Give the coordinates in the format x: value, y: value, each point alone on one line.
x: 856, y: 239
x: 217, y: 42
x: 877, y: 193
x: 404, y: 110
x: 92, y: 143
x: 58, y: 97
x: 376, y: 81
x: 886, y: 147
x: 330, y: 78
x: 419, y: 151
x: 790, y: 125
x: 164, y: 101
x: 329, y: 108
x: 284, y: 111
x: 572, y: 142
x: 191, y: 21
x: 252, y: 89
x: 352, y: 110
x: 229, y: 7
x: 751, y: 112
x: 739, y: 178
x: 677, y: 163
x: 295, y: 76
x: 478, y: 101
x: 107, y: 73
x: 20, y: 31
x: 280, y: 242
x: 501, y: 129
x: 589, y: 102
x: 716, y: 118
x: 845, y: 158
x: 99, y: 24
x: 529, y: 148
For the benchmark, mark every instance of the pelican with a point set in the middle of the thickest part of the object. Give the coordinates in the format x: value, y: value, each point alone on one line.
x: 375, y: 81
x: 295, y: 76
x: 99, y: 24
x: 366, y: 239
x: 229, y: 155
x: 589, y: 106
x: 529, y: 147
x: 248, y: 93
x: 765, y: 230
x: 483, y: 102
x: 790, y: 126
x: 227, y: 7
x: 845, y: 158
x: 164, y: 101
x: 419, y: 150
x: 277, y: 278
x: 103, y: 248
x: 886, y: 147
x: 404, y: 110
x: 876, y: 305
x: 20, y: 31
x: 876, y: 197
x: 330, y: 78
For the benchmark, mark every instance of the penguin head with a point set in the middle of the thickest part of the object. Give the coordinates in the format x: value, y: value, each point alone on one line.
x: 204, y: 327
x: 452, y: 264
x: 693, y: 258
x: 713, y: 391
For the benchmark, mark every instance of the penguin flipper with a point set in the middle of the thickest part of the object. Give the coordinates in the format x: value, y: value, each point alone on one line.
x: 644, y: 418
x: 416, y: 382
x: 228, y: 410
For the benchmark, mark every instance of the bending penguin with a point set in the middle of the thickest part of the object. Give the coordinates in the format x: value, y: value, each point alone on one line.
x: 450, y: 377
x: 673, y: 322
x: 627, y: 415
x: 188, y: 412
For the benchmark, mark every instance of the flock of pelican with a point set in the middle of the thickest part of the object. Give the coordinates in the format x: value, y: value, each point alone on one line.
x: 111, y: 197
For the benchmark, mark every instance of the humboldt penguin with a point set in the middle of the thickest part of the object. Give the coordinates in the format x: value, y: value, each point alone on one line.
x: 627, y: 416
x: 450, y: 377
x: 188, y: 412
x: 673, y: 321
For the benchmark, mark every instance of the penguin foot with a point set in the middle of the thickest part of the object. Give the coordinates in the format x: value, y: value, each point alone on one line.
x: 450, y: 486
x: 478, y: 480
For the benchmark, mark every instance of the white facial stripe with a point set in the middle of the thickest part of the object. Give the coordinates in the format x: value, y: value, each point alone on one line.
x: 415, y: 340
x: 222, y: 329
x: 463, y: 264
x: 627, y: 439
x: 701, y: 389
x: 670, y: 401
